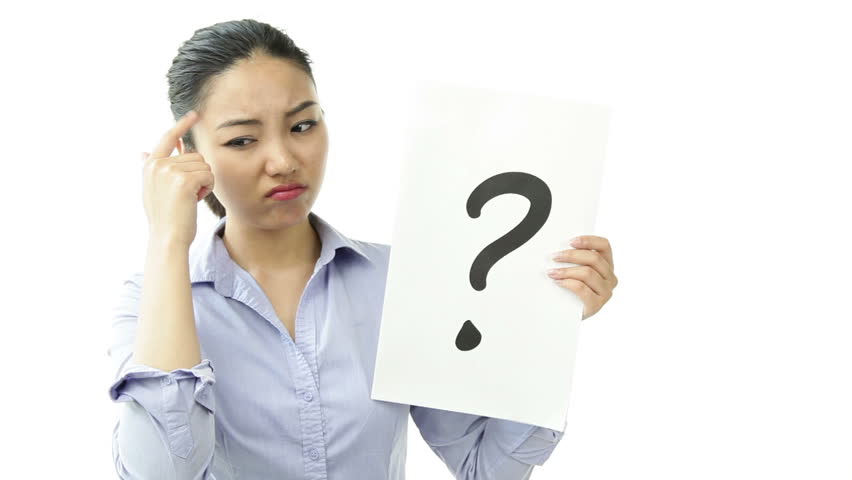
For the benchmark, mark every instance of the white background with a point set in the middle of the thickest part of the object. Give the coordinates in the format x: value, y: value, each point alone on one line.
x: 725, y: 350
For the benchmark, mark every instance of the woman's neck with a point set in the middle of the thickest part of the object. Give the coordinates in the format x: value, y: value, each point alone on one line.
x: 272, y: 251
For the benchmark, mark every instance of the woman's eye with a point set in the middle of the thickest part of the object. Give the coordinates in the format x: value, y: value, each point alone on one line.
x: 311, y: 123
x: 236, y: 142
x: 233, y: 142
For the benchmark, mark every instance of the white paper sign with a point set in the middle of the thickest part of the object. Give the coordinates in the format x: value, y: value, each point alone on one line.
x: 493, y: 184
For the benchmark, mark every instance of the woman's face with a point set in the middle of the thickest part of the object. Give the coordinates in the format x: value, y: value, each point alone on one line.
x: 250, y: 158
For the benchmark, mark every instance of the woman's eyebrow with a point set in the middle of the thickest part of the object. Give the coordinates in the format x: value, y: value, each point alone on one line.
x: 254, y: 121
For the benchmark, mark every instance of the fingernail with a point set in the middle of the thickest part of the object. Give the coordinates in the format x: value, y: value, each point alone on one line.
x: 576, y: 241
x: 552, y: 271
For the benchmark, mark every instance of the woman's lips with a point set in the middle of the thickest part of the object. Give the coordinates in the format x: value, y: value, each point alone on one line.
x: 288, y: 195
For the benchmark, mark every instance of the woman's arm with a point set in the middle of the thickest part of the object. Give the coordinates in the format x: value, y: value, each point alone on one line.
x: 166, y: 424
x: 166, y: 336
x: 482, y: 448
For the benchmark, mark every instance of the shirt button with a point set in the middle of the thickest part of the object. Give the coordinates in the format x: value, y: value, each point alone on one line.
x: 313, y: 453
x: 167, y: 380
x: 308, y: 396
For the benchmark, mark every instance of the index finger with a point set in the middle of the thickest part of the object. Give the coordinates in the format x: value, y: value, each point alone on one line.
x: 599, y: 244
x: 169, y: 140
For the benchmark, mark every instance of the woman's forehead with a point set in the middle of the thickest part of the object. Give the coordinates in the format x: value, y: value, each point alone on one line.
x: 265, y: 94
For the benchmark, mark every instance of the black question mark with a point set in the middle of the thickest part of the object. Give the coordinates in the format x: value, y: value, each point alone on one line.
x: 538, y: 193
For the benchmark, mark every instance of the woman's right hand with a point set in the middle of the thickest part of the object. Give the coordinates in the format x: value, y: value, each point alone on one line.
x: 172, y: 186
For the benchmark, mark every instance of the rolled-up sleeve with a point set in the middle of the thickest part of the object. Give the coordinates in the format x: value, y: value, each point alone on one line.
x: 166, y: 424
x: 482, y: 448
x: 169, y: 397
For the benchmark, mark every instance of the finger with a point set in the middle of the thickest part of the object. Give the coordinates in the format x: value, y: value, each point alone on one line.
x: 587, y: 257
x: 169, y: 140
x: 181, y: 160
x: 186, y: 163
x: 202, y: 193
x: 593, y: 242
x: 583, y: 274
x: 206, y: 183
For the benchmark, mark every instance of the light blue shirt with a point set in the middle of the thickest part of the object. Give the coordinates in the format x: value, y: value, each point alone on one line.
x: 261, y: 405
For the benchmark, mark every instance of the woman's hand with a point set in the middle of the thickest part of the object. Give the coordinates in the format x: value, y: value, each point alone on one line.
x: 594, y: 278
x: 173, y: 186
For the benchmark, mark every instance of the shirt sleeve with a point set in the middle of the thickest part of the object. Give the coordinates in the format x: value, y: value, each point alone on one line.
x: 166, y: 425
x: 483, y: 448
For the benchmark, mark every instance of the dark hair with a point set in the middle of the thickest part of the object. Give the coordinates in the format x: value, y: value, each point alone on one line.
x: 213, y: 50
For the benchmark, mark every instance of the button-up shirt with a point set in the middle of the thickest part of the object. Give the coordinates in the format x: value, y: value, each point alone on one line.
x: 264, y: 405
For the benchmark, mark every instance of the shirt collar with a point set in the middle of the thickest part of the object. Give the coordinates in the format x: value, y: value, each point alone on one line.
x: 211, y: 262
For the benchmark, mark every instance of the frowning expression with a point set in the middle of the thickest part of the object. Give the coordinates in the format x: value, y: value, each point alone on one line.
x: 260, y: 120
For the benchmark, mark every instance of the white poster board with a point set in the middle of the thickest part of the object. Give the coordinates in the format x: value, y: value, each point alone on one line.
x: 492, y: 185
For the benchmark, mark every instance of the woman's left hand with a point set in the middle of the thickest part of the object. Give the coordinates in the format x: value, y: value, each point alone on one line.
x: 593, y: 278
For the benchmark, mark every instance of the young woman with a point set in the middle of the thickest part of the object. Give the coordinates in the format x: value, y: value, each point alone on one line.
x: 284, y: 306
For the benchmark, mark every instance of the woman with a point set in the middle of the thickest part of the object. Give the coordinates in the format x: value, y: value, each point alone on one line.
x: 285, y: 307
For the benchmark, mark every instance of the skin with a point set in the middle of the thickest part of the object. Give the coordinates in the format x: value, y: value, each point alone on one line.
x: 266, y: 237
x: 593, y: 279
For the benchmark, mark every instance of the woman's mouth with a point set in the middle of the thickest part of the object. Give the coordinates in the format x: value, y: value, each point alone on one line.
x: 288, y: 195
